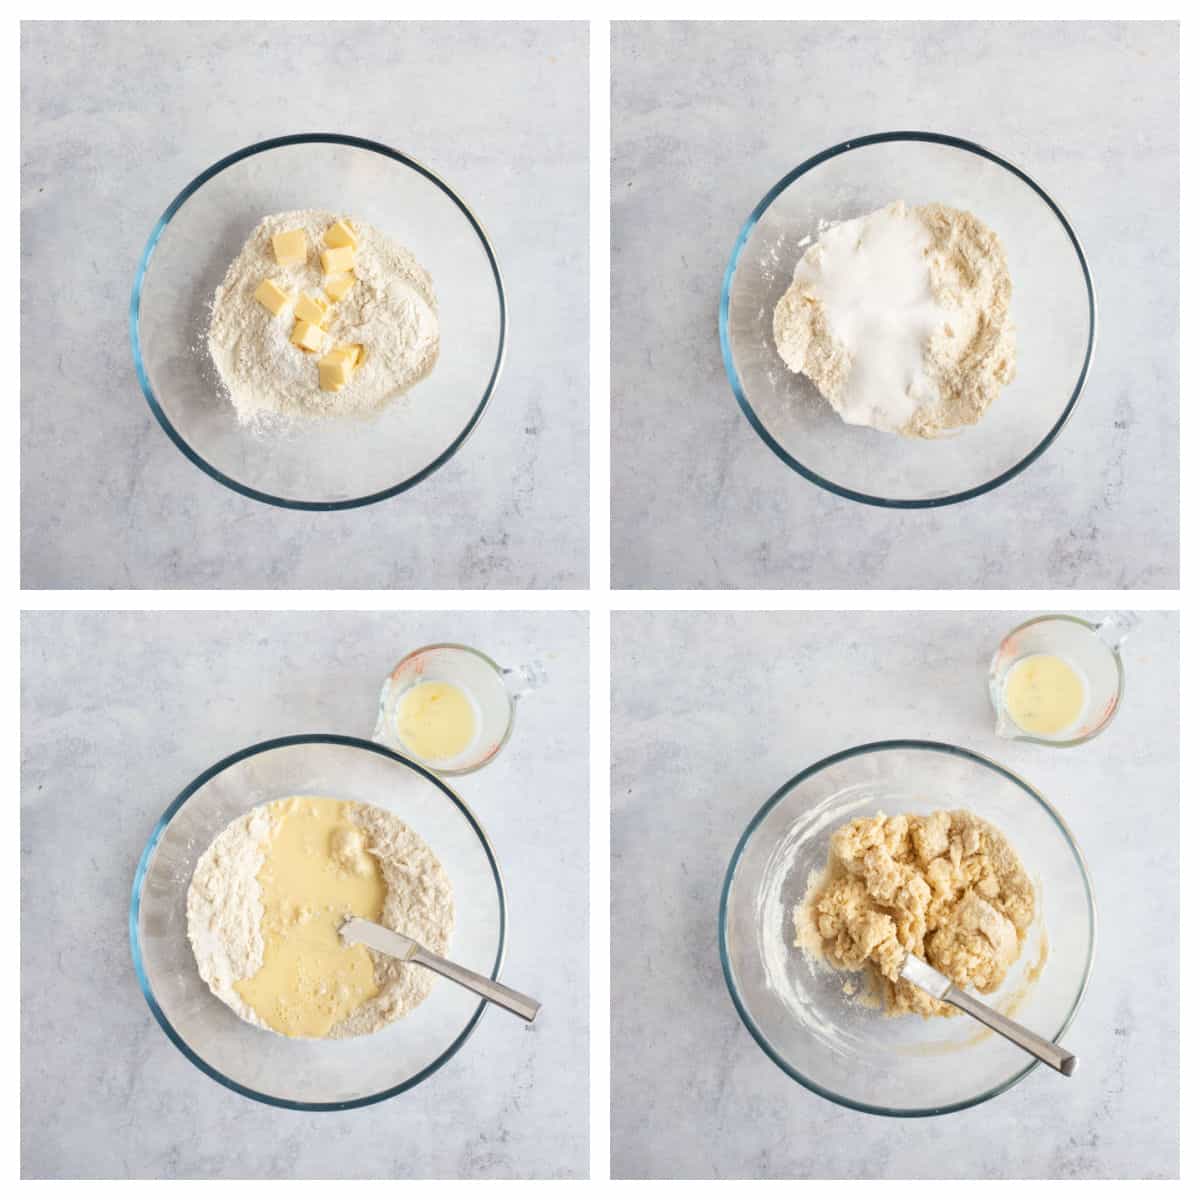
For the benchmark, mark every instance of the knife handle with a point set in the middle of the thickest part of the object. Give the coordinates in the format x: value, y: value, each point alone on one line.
x: 1052, y: 1055
x: 513, y: 1001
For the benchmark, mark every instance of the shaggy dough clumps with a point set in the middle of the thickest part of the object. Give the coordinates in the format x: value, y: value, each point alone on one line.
x: 947, y: 887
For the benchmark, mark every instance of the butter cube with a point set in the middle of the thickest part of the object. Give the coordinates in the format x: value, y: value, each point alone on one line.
x: 360, y: 354
x: 271, y: 296
x: 340, y: 234
x: 336, y: 286
x: 291, y: 248
x: 313, y: 309
x: 340, y: 258
x: 307, y: 336
x: 339, y: 365
x: 334, y: 371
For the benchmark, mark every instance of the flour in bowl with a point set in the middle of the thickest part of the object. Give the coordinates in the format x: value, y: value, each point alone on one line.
x: 267, y: 899
x: 901, y: 319
x: 310, y: 287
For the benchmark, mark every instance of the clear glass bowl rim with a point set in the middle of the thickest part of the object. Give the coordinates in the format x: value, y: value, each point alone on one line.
x: 135, y: 305
x: 333, y: 739
x: 872, y: 139
x: 855, y: 752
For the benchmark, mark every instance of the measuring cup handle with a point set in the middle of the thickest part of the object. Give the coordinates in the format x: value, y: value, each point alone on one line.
x: 1116, y: 627
x: 524, y: 679
x: 380, y: 732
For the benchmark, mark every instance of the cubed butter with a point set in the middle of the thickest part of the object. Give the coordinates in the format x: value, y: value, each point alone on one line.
x: 340, y: 234
x: 360, y: 354
x: 334, y: 371
x: 291, y: 248
x: 336, y: 286
x: 313, y: 309
x: 271, y: 296
x: 307, y: 336
x: 339, y: 258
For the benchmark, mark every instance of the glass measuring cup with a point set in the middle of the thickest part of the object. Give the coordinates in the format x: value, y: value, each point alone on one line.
x: 1091, y: 649
x: 491, y: 689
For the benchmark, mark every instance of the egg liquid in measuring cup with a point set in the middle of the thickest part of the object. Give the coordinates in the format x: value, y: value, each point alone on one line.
x: 448, y: 706
x: 437, y: 721
x: 1058, y: 679
x: 1044, y: 694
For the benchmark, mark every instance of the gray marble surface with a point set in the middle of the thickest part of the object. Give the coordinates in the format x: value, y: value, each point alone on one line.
x: 120, y: 712
x: 707, y: 117
x: 711, y: 713
x: 117, y: 118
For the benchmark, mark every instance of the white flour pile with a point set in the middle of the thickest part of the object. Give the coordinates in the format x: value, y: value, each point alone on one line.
x: 390, y: 310
x: 901, y: 319
x: 224, y: 913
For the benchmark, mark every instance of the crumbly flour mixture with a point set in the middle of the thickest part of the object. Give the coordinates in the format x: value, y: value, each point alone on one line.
x: 901, y: 319
x: 225, y: 909
x: 948, y: 887
x: 390, y: 310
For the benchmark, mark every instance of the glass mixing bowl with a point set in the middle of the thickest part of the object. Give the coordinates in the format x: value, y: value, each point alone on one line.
x: 310, y: 1074
x: 797, y: 1011
x: 325, y: 463
x: 1053, y: 309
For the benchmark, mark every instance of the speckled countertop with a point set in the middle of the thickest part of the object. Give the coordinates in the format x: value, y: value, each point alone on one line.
x: 120, y: 712
x: 706, y: 117
x: 116, y: 118
x: 711, y: 713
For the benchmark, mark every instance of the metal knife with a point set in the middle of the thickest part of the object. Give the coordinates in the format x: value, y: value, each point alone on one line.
x: 920, y: 974
x: 396, y: 945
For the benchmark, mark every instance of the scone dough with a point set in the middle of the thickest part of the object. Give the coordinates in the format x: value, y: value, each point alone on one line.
x: 947, y: 887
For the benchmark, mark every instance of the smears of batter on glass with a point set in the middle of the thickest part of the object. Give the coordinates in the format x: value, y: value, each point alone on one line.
x: 901, y: 319
x: 947, y: 887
